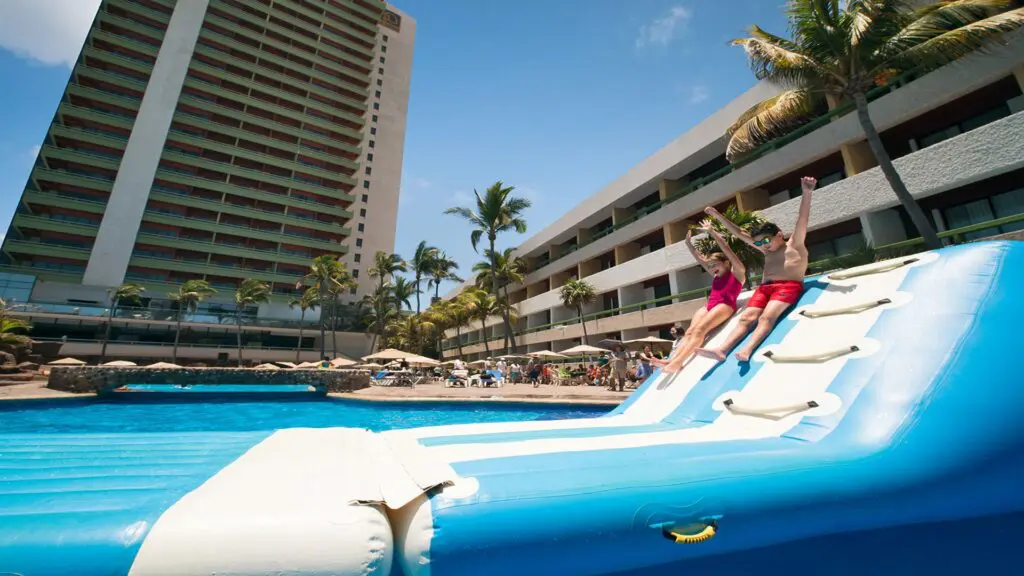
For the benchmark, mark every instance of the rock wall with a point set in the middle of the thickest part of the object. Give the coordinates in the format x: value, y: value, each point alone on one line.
x: 98, y: 379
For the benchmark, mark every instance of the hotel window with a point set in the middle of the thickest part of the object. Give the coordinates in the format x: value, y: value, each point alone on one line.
x: 999, y: 206
x: 357, y: 257
x: 373, y: 143
x: 366, y: 184
x: 355, y: 273
x: 369, y: 157
x: 362, y: 227
x: 368, y: 170
x: 359, y: 242
x: 384, y: 49
x: 365, y: 198
x: 380, y: 70
x: 352, y: 290
x: 380, y: 82
x: 374, y: 118
x: 841, y: 246
x: 381, y: 59
x: 385, y: 37
x: 362, y: 212
x: 376, y: 105
x: 377, y: 94
x: 373, y: 130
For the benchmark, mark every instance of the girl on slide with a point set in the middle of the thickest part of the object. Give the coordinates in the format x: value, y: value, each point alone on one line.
x: 729, y: 276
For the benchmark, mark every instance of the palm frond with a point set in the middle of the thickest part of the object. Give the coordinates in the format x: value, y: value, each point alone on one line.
x: 770, y: 119
x: 781, y: 66
x: 947, y: 46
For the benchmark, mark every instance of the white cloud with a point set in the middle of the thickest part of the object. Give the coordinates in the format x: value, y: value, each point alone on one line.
x: 661, y: 31
x: 699, y: 94
x: 47, y: 31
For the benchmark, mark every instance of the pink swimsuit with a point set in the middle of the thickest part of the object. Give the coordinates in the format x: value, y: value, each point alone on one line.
x: 724, y: 290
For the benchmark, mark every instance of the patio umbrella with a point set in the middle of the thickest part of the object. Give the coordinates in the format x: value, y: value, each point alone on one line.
x: 120, y: 364
x: 416, y: 360
x: 163, y: 365
x: 477, y: 364
x: 610, y: 343
x: 67, y: 362
x: 511, y: 357
x: 369, y: 366
x: 648, y: 340
x: 267, y: 367
x: 305, y: 365
x: 342, y: 362
x: 547, y: 354
x: 391, y: 354
x: 583, y: 350
x: 286, y: 364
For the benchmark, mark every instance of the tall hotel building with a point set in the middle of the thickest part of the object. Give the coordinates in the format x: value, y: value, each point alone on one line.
x: 217, y: 140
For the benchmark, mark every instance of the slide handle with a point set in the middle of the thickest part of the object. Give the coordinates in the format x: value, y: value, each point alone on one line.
x: 731, y: 406
x: 862, y: 307
x: 874, y: 270
x: 817, y: 357
x: 680, y: 536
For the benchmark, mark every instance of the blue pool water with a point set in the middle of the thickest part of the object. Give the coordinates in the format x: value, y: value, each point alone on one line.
x: 242, y: 415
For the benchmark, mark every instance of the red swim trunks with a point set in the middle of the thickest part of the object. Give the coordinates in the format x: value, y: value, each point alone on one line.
x: 788, y: 291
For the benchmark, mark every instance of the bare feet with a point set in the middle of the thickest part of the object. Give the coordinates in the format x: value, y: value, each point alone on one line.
x: 711, y: 353
x: 743, y: 355
x: 672, y: 367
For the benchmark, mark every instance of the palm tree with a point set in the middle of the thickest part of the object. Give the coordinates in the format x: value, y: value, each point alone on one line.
x: 9, y: 326
x: 406, y: 333
x: 377, y: 312
x: 441, y: 269
x: 309, y: 300
x: 458, y: 310
x: 841, y: 49
x: 751, y: 258
x: 330, y: 278
x: 482, y: 305
x: 576, y: 294
x: 385, y: 267
x: 188, y: 297
x: 402, y: 291
x: 125, y: 292
x: 507, y: 270
x: 496, y: 211
x: 249, y: 293
x: 422, y: 264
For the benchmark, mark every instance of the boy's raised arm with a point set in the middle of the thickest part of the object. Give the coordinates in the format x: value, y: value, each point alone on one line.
x: 807, y: 183
x: 732, y: 228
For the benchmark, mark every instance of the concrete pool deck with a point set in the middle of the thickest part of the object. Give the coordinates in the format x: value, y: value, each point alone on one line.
x: 422, y: 392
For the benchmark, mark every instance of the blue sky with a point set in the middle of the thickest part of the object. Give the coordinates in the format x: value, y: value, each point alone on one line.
x: 555, y: 98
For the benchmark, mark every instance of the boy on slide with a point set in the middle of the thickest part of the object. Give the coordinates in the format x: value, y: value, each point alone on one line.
x: 785, y: 264
x: 729, y: 275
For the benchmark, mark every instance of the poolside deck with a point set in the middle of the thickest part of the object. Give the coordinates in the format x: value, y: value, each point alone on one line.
x: 432, y: 391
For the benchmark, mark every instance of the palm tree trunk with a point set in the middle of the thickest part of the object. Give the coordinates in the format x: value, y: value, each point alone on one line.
x: 497, y: 294
x: 238, y: 337
x: 483, y: 335
x: 917, y: 215
x: 417, y: 293
x: 106, y: 332
x: 373, y: 343
x: 323, y: 329
x: 579, y: 310
x: 298, y: 347
x: 177, y: 336
x: 334, y: 325
x: 437, y: 288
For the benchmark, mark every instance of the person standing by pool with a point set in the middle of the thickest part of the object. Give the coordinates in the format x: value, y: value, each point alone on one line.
x: 619, y: 361
x: 782, y: 284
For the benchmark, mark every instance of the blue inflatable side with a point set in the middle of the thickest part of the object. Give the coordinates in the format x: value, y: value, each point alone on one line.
x: 927, y: 439
x: 82, y: 504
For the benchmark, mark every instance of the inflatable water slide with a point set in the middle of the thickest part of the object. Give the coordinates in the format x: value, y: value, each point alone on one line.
x: 879, y: 430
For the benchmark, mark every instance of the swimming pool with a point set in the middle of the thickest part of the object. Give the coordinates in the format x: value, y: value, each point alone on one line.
x: 91, y: 415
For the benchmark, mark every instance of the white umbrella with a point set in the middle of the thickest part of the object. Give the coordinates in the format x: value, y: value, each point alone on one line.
x: 163, y: 365
x: 422, y: 361
x: 342, y: 362
x: 511, y: 357
x: 369, y: 365
x: 391, y: 354
x: 286, y: 364
x: 120, y: 364
x: 67, y: 362
x: 547, y: 354
x: 648, y: 340
x: 267, y: 367
x: 582, y: 350
x: 308, y: 365
x: 478, y: 363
